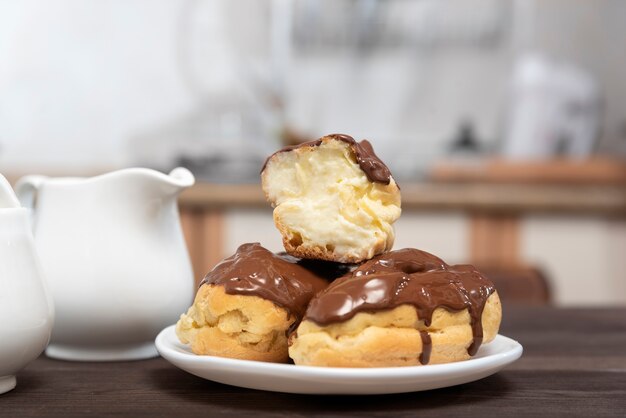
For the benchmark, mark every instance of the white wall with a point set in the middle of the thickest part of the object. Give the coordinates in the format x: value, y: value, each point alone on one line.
x: 583, y: 255
x: 79, y: 79
x: 444, y: 234
x: 250, y: 225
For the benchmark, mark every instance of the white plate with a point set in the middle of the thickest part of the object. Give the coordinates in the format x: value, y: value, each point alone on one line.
x: 333, y: 380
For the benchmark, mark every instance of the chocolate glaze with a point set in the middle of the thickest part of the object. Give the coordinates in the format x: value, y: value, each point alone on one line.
x: 402, y: 277
x: 372, y: 166
x: 427, y: 347
x: 255, y: 271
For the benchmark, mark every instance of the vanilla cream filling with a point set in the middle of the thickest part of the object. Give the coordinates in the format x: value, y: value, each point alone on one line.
x: 323, y: 198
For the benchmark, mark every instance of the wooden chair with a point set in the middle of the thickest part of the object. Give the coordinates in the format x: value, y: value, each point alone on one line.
x: 519, y: 284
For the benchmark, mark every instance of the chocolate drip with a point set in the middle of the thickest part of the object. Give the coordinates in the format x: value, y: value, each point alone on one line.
x: 372, y: 166
x: 255, y: 271
x: 427, y: 347
x: 402, y: 277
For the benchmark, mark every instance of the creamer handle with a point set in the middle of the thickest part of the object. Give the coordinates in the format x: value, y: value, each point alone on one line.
x: 26, y: 190
x: 7, y: 196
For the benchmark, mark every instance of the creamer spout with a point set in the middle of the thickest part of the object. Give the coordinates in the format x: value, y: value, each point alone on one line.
x: 163, y: 184
x: 182, y: 177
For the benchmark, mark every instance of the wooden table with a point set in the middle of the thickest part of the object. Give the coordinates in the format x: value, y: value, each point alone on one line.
x: 574, y: 364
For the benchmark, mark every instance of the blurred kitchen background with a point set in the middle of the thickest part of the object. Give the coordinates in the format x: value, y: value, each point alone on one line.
x: 504, y: 121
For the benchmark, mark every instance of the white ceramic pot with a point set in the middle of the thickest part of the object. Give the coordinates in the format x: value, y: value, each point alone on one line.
x: 25, y: 306
x: 115, y: 258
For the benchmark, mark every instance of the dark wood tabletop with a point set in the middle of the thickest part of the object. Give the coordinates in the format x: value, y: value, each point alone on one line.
x: 574, y: 364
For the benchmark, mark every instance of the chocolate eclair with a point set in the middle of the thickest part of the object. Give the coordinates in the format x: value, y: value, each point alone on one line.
x: 333, y: 199
x: 245, y: 306
x: 406, y: 307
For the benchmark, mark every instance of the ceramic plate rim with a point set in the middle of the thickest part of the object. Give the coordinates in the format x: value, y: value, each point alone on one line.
x: 495, y: 361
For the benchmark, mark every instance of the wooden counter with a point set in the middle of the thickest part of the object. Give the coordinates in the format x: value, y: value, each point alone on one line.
x: 480, y: 195
x: 474, y: 197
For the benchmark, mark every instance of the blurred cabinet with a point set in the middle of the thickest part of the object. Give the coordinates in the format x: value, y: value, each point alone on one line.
x: 574, y: 235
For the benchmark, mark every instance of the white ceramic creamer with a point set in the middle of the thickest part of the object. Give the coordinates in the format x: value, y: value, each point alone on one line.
x: 114, y: 255
x: 25, y: 306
